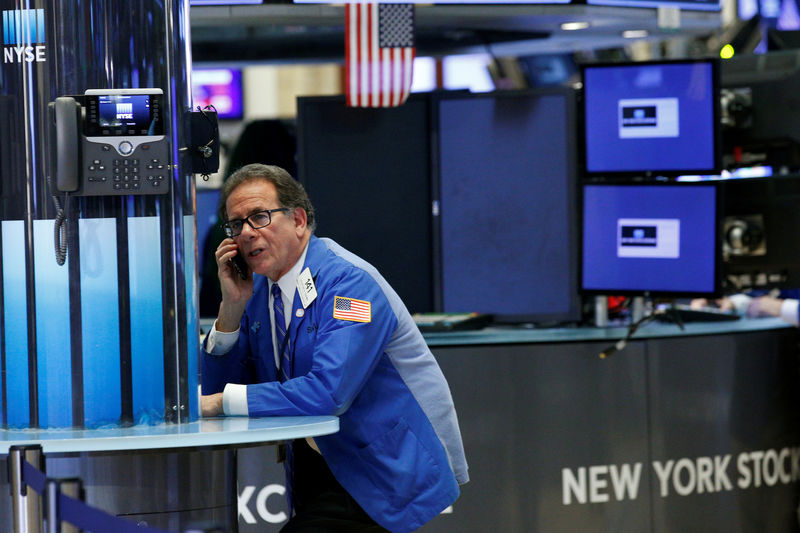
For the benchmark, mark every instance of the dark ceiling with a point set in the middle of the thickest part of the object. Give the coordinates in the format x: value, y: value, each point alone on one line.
x: 296, y: 33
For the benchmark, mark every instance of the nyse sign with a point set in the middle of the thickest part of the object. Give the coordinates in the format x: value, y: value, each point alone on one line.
x: 23, y: 36
x: 27, y: 54
x: 270, y: 511
x: 684, y: 476
x: 268, y: 505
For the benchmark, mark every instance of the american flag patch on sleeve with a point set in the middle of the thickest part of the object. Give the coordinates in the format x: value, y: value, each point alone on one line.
x: 351, y: 309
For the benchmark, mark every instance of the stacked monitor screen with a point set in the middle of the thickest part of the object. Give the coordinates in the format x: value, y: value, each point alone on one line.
x: 221, y: 88
x: 655, y: 239
x: 657, y: 118
x: 505, y: 194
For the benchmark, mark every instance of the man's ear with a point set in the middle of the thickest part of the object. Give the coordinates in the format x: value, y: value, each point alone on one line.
x: 300, y: 220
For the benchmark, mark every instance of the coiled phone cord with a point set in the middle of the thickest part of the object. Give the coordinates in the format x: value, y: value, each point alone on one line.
x: 60, y: 228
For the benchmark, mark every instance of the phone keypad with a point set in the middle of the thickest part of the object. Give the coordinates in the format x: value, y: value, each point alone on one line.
x: 145, y: 171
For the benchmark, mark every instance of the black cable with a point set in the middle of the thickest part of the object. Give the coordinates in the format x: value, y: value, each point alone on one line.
x: 620, y: 344
x: 60, y: 228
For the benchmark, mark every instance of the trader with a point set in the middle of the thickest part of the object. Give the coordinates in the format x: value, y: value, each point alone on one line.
x: 337, y: 340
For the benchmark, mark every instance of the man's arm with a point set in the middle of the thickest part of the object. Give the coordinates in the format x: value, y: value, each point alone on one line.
x: 785, y: 308
x: 224, y: 352
x: 760, y: 306
x: 342, y: 357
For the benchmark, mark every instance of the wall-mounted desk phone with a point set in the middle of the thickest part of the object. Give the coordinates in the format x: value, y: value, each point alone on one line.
x: 111, y: 142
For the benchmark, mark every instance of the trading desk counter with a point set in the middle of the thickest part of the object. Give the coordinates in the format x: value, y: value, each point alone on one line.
x: 682, y: 430
x: 175, y: 477
x: 211, y: 432
x: 522, y: 334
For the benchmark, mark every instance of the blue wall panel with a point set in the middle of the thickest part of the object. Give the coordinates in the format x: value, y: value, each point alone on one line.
x: 52, y: 330
x: 100, y: 322
x: 15, y: 310
x: 192, y: 313
x: 147, y: 331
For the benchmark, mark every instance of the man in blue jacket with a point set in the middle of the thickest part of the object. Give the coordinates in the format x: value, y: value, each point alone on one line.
x: 350, y: 349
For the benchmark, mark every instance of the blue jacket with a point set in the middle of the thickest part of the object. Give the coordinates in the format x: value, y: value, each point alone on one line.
x: 398, y: 452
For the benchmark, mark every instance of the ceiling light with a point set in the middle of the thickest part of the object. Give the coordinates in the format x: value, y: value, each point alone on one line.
x: 571, y: 26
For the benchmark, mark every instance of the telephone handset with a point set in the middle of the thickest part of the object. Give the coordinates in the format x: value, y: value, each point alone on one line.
x: 67, y: 122
x: 111, y: 142
x: 240, y: 266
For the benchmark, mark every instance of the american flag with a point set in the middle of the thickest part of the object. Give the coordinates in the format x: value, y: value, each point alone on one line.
x: 350, y: 309
x: 380, y: 53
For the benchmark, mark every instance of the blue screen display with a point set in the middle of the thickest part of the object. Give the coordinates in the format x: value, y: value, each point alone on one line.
x: 650, y: 118
x: 649, y: 238
x: 127, y: 111
x: 221, y: 88
x: 507, y: 206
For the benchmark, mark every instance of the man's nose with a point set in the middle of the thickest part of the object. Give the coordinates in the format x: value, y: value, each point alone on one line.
x: 247, y: 231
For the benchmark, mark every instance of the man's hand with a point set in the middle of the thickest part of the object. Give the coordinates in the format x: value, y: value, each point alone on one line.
x: 235, y: 291
x: 723, y: 304
x: 211, y: 405
x: 764, y: 306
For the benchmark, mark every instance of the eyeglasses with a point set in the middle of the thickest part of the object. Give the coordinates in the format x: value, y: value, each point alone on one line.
x: 257, y: 220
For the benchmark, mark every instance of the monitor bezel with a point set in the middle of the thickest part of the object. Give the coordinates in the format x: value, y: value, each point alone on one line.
x: 715, y: 292
x: 574, y: 314
x: 649, y: 173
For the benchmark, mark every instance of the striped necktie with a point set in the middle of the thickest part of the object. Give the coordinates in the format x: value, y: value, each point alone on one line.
x: 281, y: 338
x: 284, y: 356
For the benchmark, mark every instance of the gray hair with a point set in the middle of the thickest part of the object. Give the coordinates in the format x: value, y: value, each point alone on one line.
x: 291, y: 192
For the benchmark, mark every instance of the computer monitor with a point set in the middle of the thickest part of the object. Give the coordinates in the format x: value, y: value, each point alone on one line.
x: 220, y: 87
x: 504, y: 205
x: 650, y: 239
x: 367, y: 172
x: 655, y: 118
